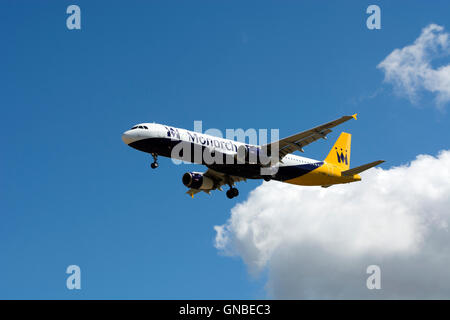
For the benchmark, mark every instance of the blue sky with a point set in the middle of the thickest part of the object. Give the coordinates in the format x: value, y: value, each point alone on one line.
x: 72, y: 193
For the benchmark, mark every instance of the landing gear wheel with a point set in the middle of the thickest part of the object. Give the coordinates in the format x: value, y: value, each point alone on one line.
x: 232, y: 192
x: 154, y: 165
x: 267, y: 178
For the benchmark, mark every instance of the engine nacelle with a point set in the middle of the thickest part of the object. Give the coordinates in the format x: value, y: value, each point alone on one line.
x: 196, y: 180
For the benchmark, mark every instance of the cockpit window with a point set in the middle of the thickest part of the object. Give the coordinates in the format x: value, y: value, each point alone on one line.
x: 139, y: 127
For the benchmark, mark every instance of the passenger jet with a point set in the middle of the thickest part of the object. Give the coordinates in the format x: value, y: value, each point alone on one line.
x: 235, y: 161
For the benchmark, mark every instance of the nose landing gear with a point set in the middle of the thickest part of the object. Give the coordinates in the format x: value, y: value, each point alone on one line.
x: 154, y: 164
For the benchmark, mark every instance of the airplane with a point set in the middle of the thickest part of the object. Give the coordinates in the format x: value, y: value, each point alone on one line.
x: 234, y: 161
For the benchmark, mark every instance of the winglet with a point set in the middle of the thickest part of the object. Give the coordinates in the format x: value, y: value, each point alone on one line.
x: 354, y: 116
x: 192, y: 195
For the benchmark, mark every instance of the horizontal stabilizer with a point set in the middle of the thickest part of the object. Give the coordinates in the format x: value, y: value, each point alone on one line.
x: 362, y: 168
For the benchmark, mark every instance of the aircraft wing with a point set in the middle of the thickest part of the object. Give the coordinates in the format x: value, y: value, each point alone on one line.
x: 219, y: 178
x: 191, y: 192
x: 297, y: 141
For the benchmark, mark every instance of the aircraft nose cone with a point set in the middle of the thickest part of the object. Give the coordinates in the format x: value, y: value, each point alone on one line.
x: 127, y: 137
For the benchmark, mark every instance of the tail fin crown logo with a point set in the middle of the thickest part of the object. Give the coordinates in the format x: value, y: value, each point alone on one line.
x: 341, y: 158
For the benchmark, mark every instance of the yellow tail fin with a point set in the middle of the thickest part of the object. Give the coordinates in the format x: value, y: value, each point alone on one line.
x: 340, y: 153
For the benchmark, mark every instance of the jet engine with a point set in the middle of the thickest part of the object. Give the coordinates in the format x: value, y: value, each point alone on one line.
x: 196, y: 180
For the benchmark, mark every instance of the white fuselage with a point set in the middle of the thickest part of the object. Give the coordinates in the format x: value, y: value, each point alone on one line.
x: 170, y: 135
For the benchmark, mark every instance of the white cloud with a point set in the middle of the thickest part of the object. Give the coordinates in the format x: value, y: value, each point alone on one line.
x: 317, y: 243
x: 409, y: 69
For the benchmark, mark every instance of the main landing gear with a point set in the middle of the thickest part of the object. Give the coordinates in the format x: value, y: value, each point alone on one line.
x: 154, y: 164
x: 232, y: 192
